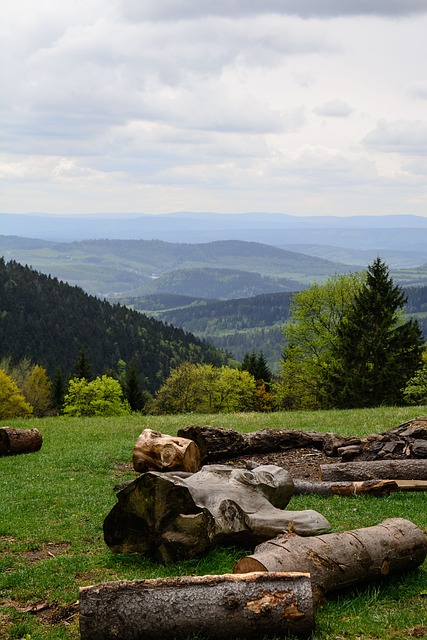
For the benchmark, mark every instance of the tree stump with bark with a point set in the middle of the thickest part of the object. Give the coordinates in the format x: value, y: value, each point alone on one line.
x: 155, y: 451
x: 339, y: 560
x: 225, y: 607
x: 16, y: 441
x: 172, y: 516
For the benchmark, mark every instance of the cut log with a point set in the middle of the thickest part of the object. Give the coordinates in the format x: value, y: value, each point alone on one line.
x: 218, y: 444
x: 155, y: 451
x: 172, y: 516
x: 339, y: 560
x: 381, y: 469
x: 216, y: 607
x: 375, y: 487
x: 16, y: 441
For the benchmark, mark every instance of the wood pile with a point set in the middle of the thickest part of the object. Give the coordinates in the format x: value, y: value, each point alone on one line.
x: 406, y: 441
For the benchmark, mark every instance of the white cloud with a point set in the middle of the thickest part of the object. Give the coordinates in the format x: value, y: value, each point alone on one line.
x: 399, y: 137
x: 187, y: 9
x: 334, y: 109
x: 234, y: 105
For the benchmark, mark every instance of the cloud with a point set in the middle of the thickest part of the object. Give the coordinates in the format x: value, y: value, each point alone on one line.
x: 193, y: 9
x: 399, y: 137
x: 418, y: 90
x: 334, y: 109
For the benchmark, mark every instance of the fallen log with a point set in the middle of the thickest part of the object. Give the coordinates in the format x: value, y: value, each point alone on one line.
x: 16, y: 441
x: 375, y: 487
x: 339, y: 560
x: 172, y: 516
x: 221, y: 607
x: 217, y: 444
x: 378, y: 469
x: 155, y: 451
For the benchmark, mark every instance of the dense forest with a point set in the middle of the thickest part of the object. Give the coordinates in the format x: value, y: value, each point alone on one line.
x: 50, y: 322
x: 245, y: 324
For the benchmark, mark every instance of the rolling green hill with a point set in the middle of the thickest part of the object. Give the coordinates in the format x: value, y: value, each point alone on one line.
x: 109, y: 268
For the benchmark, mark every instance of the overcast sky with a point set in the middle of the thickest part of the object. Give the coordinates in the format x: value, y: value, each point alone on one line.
x: 306, y: 107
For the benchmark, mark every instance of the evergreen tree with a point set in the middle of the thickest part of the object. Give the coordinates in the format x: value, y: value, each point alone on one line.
x: 375, y: 353
x: 58, y: 390
x: 132, y: 387
x: 82, y: 367
x: 257, y: 366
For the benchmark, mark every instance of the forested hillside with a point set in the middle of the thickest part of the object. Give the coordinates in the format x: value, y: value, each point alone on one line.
x: 242, y: 325
x: 50, y: 322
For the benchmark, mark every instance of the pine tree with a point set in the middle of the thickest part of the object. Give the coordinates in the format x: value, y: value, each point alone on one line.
x: 257, y: 366
x: 82, y: 367
x: 132, y: 387
x: 375, y: 353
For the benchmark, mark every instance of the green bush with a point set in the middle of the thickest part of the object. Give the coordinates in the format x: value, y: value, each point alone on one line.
x: 99, y: 397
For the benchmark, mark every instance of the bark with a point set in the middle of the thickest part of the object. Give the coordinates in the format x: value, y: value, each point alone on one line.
x: 380, y: 469
x: 375, y: 487
x: 156, y: 451
x: 339, y: 560
x: 218, y: 444
x: 172, y: 516
x: 217, y: 607
x: 15, y: 441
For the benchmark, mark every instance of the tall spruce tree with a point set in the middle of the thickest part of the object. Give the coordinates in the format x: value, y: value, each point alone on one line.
x: 257, y: 366
x: 375, y: 352
x: 133, y: 391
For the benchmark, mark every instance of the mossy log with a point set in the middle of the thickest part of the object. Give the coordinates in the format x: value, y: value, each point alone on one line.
x: 338, y: 560
x: 223, y: 607
x: 16, y: 441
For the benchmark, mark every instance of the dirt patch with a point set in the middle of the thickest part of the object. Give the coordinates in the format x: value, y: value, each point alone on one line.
x: 303, y: 464
x: 51, y: 550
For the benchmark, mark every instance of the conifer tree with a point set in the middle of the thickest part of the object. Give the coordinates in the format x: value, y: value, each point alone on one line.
x: 132, y: 387
x: 82, y: 367
x: 375, y: 353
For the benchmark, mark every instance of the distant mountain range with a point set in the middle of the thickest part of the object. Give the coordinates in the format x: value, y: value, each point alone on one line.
x: 404, y: 237
x: 222, y: 269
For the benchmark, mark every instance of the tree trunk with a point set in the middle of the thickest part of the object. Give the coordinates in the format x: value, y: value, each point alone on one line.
x: 222, y: 607
x: 218, y: 444
x: 172, y: 516
x: 15, y: 441
x: 376, y: 487
x: 155, y: 451
x: 339, y: 560
x: 381, y: 469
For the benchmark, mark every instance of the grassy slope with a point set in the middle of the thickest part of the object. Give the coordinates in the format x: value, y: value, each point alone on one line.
x: 62, y: 494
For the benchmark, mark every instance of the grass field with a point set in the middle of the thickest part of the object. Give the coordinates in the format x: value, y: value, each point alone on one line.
x: 53, y: 503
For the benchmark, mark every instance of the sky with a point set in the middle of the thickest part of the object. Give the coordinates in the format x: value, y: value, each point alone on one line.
x: 304, y: 107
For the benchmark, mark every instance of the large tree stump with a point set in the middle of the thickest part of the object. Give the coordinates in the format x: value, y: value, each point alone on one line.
x: 156, y: 451
x: 15, y: 441
x: 172, y: 516
x: 339, y: 560
x: 223, y: 607
x: 381, y: 469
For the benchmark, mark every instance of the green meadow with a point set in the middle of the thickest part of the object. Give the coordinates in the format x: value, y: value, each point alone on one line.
x: 53, y: 503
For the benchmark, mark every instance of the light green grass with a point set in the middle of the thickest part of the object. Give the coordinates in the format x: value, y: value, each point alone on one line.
x: 56, y: 499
